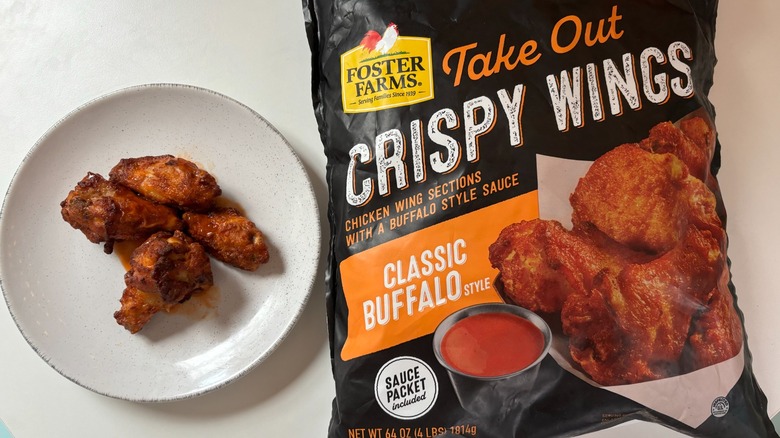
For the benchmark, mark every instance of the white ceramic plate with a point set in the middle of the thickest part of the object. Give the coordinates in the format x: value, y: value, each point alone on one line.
x: 62, y: 290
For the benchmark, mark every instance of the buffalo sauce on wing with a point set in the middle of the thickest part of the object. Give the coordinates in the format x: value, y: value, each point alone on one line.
x: 198, y: 306
x: 124, y: 251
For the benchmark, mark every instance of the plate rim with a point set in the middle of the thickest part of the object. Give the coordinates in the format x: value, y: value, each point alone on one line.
x: 304, y: 298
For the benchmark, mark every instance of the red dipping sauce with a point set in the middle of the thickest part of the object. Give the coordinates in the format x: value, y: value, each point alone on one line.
x: 492, y: 344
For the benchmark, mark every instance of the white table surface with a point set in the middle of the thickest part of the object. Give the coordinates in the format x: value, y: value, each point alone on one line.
x: 55, y: 56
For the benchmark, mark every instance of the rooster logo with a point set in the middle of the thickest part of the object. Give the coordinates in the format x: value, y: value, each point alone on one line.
x: 373, y: 42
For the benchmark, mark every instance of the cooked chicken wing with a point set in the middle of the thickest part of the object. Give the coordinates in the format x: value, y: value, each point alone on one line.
x: 541, y: 263
x: 702, y: 208
x: 643, y: 200
x: 106, y: 212
x: 701, y: 133
x: 527, y: 275
x: 633, y: 325
x: 164, y: 270
x: 585, y: 252
x: 693, y: 143
x: 717, y: 331
x: 632, y: 196
x: 137, y: 308
x: 229, y: 237
x: 168, y: 180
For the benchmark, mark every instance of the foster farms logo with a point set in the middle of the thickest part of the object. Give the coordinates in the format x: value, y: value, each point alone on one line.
x: 386, y: 71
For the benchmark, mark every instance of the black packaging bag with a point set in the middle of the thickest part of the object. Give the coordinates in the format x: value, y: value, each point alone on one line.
x: 527, y: 235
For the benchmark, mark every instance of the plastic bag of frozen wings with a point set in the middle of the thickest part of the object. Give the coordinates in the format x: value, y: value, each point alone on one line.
x: 527, y: 235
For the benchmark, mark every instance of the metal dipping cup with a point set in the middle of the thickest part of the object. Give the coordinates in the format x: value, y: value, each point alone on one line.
x: 488, y: 396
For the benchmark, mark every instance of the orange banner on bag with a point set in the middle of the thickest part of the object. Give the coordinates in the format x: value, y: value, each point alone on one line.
x: 401, y: 290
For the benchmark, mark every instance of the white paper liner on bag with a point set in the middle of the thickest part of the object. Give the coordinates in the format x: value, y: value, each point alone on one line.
x: 687, y: 398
